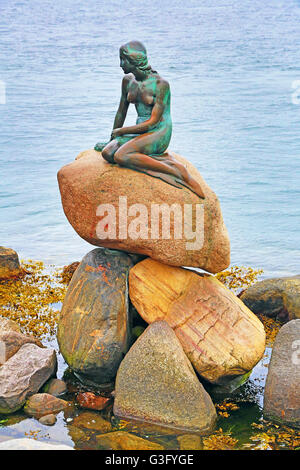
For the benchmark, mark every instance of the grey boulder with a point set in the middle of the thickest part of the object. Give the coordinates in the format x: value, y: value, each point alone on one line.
x: 282, y: 390
x: 24, y: 374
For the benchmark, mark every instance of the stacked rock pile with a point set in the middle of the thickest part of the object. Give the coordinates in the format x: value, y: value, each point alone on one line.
x: 197, y: 329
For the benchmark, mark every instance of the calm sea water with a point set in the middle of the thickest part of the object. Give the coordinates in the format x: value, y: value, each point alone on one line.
x: 231, y: 66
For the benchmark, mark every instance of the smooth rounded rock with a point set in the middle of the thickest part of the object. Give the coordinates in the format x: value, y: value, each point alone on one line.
x: 220, y: 335
x: 277, y: 298
x: 157, y: 384
x: 55, y: 387
x: 282, y: 390
x: 48, y: 420
x: 94, y: 326
x: 91, y: 401
x: 43, y: 404
x: 200, y: 240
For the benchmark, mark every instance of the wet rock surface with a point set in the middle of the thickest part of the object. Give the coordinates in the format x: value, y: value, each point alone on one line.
x: 93, y: 421
x: 43, y: 404
x: 126, y: 441
x: 91, y: 401
x: 48, y: 420
x: 190, y: 442
x: 55, y: 387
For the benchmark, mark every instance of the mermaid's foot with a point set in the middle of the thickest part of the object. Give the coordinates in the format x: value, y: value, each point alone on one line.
x: 183, y: 178
x: 194, y: 187
x: 177, y: 182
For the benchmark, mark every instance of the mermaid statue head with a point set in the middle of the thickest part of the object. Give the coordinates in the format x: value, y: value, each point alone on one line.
x: 133, y: 55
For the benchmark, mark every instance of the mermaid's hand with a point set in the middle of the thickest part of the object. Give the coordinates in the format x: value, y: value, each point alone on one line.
x: 100, y: 146
x: 117, y: 132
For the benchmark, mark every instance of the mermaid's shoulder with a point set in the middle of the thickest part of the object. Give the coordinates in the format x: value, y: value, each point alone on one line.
x: 162, y: 86
x: 127, y: 80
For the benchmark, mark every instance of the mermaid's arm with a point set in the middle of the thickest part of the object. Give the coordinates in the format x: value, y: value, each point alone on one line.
x: 120, y: 115
x: 123, y: 106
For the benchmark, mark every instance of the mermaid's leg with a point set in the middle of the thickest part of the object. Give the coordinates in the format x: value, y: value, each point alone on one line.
x: 108, y: 150
x: 162, y: 166
x: 163, y: 176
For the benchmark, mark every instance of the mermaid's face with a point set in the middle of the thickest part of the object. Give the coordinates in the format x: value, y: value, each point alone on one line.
x: 125, y: 64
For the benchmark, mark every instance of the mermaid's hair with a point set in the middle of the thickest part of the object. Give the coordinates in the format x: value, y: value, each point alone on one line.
x: 136, y: 53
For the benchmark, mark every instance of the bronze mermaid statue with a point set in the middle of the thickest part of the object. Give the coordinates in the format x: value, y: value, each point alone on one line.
x: 143, y: 147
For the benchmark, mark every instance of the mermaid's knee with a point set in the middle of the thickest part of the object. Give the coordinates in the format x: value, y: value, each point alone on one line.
x: 108, y: 155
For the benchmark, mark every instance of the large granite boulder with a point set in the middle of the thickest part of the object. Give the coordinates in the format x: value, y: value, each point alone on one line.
x: 218, y: 333
x: 282, y: 390
x: 90, y: 182
x: 276, y: 298
x: 157, y: 384
x: 9, y: 263
x: 94, y: 325
x: 24, y: 374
